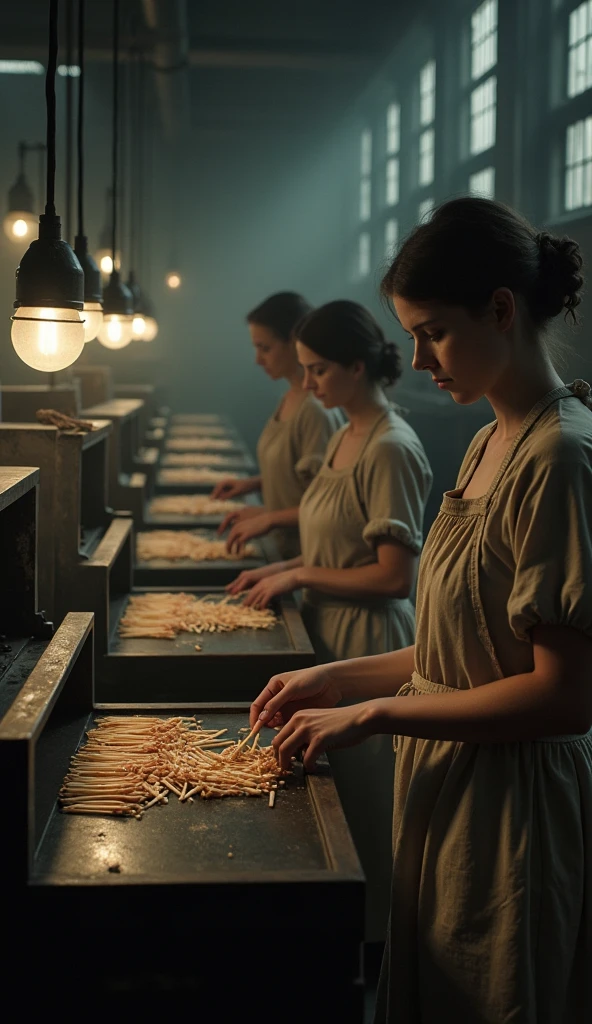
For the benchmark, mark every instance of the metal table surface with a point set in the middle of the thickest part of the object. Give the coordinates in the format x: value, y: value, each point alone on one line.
x: 229, y: 667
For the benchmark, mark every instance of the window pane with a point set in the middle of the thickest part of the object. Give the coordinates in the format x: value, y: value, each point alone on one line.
x: 483, y: 115
x: 392, y: 181
x: 425, y: 209
x: 578, y: 165
x: 426, y: 157
x: 391, y: 237
x: 484, y: 39
x: 365, y: 199
x: 483, y: 183
x: 364, y: 254
x: 393, y: 128
x: 427, y: 93
x: 579, y: 58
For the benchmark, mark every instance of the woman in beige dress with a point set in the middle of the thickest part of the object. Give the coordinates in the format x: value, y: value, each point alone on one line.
x: 361, y: 535
x: 491, y: 906
x: 292, y: 445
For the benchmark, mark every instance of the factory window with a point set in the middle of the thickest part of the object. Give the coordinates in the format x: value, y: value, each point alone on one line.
x: 426, y: 157
x: 483, y: 183
x: 483, y: 115
x: 69, y: 70
x: 365, y: 198
x: 391, y: 237
x: 392, y: 181
x: 427, y: 93
x: 21, y: 67
x: 483, y: 39
x: 393, y: 128
x: 578, y: 165
x: 364, y: 254
x: 425, y: 210
x: 579, y: 64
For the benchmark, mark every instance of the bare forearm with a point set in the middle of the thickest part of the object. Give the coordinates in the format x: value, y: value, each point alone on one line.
x: 255, y: 482
x: 381, y: 675
x: 367, y: 581
x: 284, y: 517
x: 522, y: 707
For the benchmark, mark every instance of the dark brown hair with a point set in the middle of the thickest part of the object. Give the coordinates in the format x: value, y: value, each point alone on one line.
x: 472, y: 246
x: 344, y: 332
x: 280, y: 313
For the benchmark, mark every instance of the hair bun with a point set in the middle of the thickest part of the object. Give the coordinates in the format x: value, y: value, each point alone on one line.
x: 561, y: 280
x: 390, y: 362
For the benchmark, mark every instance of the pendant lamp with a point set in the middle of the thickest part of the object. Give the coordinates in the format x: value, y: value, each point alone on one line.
x: 20, y: 223
x: 173, y: 280
x: 116, y: 329
x: 93, y: 289
x: 47, y: 328
x: 144, y: 324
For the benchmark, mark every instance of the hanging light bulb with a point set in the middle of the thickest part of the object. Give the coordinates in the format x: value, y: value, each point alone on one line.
x: 144, y: 325
x: 47, y: 329
x: 173, y: 279
x: 20, y: 223
x: 117, y: 327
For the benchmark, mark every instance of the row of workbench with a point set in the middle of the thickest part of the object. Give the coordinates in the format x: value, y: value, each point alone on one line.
x: 111, y: 891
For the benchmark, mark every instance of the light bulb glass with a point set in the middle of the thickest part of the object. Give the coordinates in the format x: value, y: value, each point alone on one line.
x: 20, y: 226
x: 47, y: 339
x: 151, y: 329
x: 116, y: 330
x: 139, y: 327
x: 92, y: 315
x: 104, y: 260
x: 173, y: 279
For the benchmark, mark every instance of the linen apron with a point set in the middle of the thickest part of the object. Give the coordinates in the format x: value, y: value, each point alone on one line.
x: 289, y: 453
x: 491, y: 905
x: 339, y: 524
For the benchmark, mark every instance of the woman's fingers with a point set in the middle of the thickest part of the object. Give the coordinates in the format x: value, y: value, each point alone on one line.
x: 269, y: 696
x: 228, y: 520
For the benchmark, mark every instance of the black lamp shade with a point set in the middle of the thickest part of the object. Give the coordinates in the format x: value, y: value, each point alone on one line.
x: 49, y: 273
x: 93, y: 285
x: 117, y: 297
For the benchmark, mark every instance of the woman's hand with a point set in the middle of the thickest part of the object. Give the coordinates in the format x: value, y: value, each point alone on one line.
x: 289, y: 692
x: 316, y: 730
x: 245, y: 529
x: 232, y: 487
x: 273, y: 586
x: 249, y: 577
x: 239, y: 515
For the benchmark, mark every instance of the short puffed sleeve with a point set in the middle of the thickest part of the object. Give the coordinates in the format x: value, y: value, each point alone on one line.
x: 549, y: 522
x: 313, y: 428
x: 394, y: 486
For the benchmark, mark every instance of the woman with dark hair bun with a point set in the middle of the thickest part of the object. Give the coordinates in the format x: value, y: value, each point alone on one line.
x: 361, y: 535
x: 293, y: 442
x: 491, y: 708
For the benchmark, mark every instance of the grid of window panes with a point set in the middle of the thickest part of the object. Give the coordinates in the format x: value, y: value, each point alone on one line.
x: 578, y: 165
x: 483, y: 39
x: 364, y: 254
x: 579, y: 63
x: 391, y: 237
x: 483, y: 183
x: 483, y: 115
x: 425, y: 210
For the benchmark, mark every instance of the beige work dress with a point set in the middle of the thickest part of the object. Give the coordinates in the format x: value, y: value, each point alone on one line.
x: 343, y: 515
x: 491, y: 916
x: 289, y: 453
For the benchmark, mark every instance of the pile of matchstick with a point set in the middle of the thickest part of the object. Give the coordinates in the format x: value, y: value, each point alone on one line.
x: 193, y: 505
x: 198, y: 459
x: 132, y: 763
x: 188, y: 442
x: 164, y: 616
x: 192, y: 475
x: 176, y: 544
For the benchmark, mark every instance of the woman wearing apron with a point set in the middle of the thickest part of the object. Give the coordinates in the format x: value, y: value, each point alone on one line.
x: 361, y: 534
x: 292, y: 445
x: 491, y: 917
